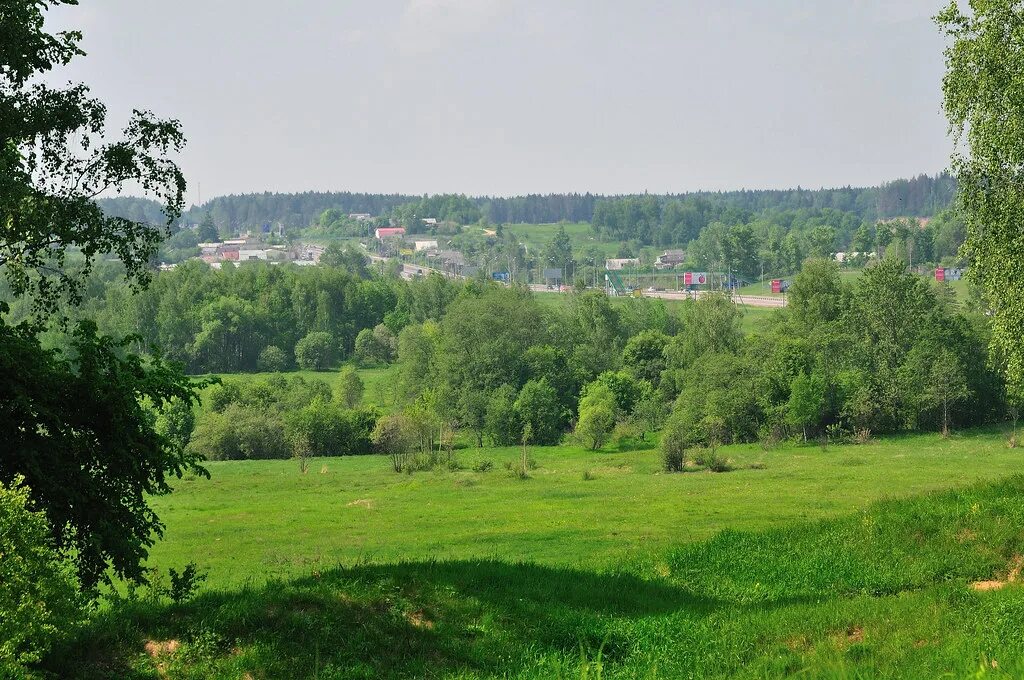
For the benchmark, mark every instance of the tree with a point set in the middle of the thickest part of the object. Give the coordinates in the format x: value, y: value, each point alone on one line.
x: 315, y: 351
x: 377, y: 346
x: 208, y: 230
x: 806, y: 401
x: 595, y: 423
x: 81, y: 434
x: 350, y: 387
x: 537, y: 406
x: 54, y: 162
x: 644, y: 355
x: 816, y: 296
x: 391, y: 437
x: 501, y: 422
x: 983, y: 88
x: 272, y: 359
x: 946, y: 386
x: 559, y: 254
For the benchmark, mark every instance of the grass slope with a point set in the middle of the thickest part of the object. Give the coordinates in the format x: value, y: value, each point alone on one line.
x: 881, y: 592
x: 260, y: 519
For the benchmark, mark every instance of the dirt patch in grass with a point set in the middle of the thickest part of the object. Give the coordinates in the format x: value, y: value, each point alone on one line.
x: 157, y: 648
x: 419, y: 620
x: 1012, y: 576
x: 367, y: 503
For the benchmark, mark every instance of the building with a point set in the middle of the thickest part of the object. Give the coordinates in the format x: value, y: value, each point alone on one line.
x: 429, y: 221
x: 669, y: 259
x: 425, y: 245
x: 621, y: 263
x: 362, y: 217
x: 390, y: 232
x: 249, y: 254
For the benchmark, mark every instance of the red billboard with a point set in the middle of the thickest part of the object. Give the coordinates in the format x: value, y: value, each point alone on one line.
x: 688, y: 278
x: 776, y: 285
x: 940, y: 274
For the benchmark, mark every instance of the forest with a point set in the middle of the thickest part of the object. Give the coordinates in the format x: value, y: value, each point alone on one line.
x: 918, y: 197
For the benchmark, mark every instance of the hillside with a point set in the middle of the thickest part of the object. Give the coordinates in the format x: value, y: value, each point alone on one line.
x: 617, y: 572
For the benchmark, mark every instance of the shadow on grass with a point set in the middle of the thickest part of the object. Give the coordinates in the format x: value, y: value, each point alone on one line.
x: 405, y: 620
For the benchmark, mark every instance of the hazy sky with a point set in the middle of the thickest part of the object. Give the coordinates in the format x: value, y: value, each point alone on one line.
x: 503, y: 97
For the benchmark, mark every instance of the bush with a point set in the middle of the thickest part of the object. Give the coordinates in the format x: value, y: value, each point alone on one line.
x: 272, y: 359
x: 674, y: 441
x: 483, y: 466
x: 39, y: 592
x: 710, y: 460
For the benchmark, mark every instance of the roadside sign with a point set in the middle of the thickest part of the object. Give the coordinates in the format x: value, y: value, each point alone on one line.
x: 776, y: 285
x: 940, y: 274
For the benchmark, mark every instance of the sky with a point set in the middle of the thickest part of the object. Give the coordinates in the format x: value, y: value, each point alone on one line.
x: 495, y: 97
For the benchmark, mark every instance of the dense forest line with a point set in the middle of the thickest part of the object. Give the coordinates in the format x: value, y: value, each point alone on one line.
x: 884, y: 354
x: 921, y: 196
x: 889, y: 353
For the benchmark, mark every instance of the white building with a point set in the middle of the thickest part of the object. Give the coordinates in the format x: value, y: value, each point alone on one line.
x: 425, y: 245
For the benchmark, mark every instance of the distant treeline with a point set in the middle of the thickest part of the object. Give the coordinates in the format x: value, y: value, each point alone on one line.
x: 617, y: 215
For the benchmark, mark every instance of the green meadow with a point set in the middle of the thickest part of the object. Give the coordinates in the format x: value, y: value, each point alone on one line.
x: 853, y: 561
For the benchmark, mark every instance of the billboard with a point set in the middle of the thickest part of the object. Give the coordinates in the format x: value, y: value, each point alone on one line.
x: 940, y: 274
x: 695, y: 278
x: 776, y: 285
x: 553, y: 274
x: 501, y: 276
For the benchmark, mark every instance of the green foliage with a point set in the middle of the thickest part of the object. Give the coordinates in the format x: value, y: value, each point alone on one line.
x: 40, y: 603
x: 644, y: 355
x: 595, y: 424
x: 56, y: 157
x: 375, y: 347
x: 502, y: 424
x: 92, y: 410
x: 350, y: 388
x: 674, y: 442
x: 186, y: 583
x: 315, y: 351
x: 983, y: 86
x: 537, y: 407
x: 272, y: 359
x: 806, y: 402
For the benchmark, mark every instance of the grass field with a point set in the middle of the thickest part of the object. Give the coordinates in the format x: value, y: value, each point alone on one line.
x: 581, y: 234
x: 256, y: 519
x: 837, y: 563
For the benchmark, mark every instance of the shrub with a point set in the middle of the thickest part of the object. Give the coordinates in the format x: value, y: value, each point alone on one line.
x: 39, y: 592
x: 710, y: 460
x: 674, y: 442
x: 272, y: 359
x: 483, y: 466
x: 391, y: 437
